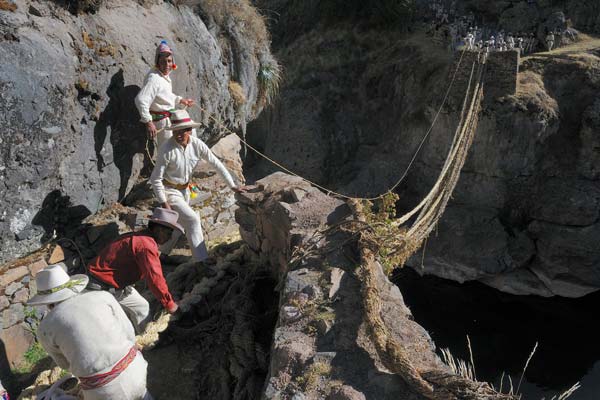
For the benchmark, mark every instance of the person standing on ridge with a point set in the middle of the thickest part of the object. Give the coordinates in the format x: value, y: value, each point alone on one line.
x: 88, y: 334
x: 550, y: 40
x: 132, y: 257
x: 156, y: 100
x: 172, y: 174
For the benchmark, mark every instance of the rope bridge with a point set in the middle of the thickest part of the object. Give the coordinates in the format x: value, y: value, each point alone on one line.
x: 431, y: 384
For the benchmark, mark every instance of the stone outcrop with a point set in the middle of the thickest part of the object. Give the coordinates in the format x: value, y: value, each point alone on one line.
x: 524, y: 215
x: 322, y: 347
x: 72, y: 142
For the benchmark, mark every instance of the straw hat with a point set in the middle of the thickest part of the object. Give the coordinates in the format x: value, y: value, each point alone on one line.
x: 166, y: 217
x: 180, y: 119
x: 54, y: 285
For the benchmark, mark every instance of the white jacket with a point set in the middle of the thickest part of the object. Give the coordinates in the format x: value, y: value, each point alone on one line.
x: 176, y: 164
x: 87, y: 334
x: 156, y: 95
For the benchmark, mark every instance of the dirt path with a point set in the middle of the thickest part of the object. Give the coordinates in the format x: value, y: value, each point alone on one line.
x: 587, y: 44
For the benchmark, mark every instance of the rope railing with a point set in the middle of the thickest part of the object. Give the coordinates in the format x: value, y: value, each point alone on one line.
x: 329, y: 191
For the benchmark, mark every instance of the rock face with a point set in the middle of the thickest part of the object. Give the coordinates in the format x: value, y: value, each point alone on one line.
x: 321, y: 347
x: 356, y: 103
x: 72, y: 141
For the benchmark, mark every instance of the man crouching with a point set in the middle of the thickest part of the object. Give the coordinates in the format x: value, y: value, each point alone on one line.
x: 88, y: 334
x: 132, y: 257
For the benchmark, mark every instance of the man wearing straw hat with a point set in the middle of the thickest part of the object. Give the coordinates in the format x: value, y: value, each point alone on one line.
x: 89, y: 334
x: 172, y: 176
x: 131, y: 258
x: 156, y: 101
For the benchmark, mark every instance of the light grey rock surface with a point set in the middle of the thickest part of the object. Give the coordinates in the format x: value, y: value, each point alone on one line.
x: 71, y: 141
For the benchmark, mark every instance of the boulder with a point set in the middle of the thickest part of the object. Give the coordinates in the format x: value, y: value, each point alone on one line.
x: 4, y: 303
x: 17, y: 339
x: 21, y: 295
x: 12, y: 315
x: 37, y: 266
x: 12, y: 275
x: 315, y: 335
x: 12, y: 288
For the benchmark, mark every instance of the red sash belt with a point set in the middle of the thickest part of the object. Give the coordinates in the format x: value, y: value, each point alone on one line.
x: 99, y: 380
x: 160, y: 115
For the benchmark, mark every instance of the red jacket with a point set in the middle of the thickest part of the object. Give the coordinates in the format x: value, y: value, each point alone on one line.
x: 128, y: 259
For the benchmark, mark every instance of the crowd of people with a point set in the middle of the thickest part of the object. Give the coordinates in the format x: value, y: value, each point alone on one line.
x: 463, y: 32
x: 91, y: 320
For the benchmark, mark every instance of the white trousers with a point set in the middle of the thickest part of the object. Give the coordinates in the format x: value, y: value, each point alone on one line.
x: 129, y: 385
x: 190, y: 220
x: 135, y: 306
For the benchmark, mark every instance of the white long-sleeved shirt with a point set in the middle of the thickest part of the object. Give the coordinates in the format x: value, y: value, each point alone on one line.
x: 176, y: 164
x: 156, y: 95
x: 87, y: 334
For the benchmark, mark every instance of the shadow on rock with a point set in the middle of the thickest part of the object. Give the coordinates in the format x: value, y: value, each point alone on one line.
x: 120, y: 119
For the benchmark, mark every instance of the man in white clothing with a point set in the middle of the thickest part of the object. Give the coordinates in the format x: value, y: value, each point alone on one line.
x: 156, y: 101
x: 89, y: 334
x: 172, y: 175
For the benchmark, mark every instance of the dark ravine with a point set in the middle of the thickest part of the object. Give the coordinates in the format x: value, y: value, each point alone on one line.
x: 503, y: 330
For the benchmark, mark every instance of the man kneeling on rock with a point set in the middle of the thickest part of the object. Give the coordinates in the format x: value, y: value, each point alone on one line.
x: 132, y: 257
x: 172, y: 175
x: 88, y: 334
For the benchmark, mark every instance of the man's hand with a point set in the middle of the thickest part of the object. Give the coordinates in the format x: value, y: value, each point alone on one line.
x: 187, y: 102
x: 173, y: 309
x: 166, y: 205
x: 240, y: 189
x: 151, y: 129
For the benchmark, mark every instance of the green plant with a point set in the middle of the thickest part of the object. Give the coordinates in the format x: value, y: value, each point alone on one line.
x: 314, y: 374
x: 34, y: 354
x: 269, y: 78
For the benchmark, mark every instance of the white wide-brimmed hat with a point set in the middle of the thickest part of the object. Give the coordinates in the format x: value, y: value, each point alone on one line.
x: 180, y: 119
x: 54, y: 285
x: 166, y: 217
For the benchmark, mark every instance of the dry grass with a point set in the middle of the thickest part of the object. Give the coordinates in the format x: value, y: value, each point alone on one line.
x: 467, y: 371
x: 531, y: 89
x: 584, y: 44
x: 252, y: 22
x: 313, y: 375
x: 237, y: 93
x: 88, y: 40
x: 6, y: 5
x: 457, y: 366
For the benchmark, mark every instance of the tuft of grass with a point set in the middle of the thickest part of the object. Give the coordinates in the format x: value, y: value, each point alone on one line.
x: 249, y: 19
x: 532, y: 91
x: 314, y: 373
x: 237, y: 93
x: 459, y: 367
x: 567, y: 393
x: 32, y: 356
x: 6, y: 5
x: 269, y: 79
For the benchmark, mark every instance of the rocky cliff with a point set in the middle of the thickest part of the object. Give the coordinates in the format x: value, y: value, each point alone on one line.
x: 359, y: 95
x: 71, y: 141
